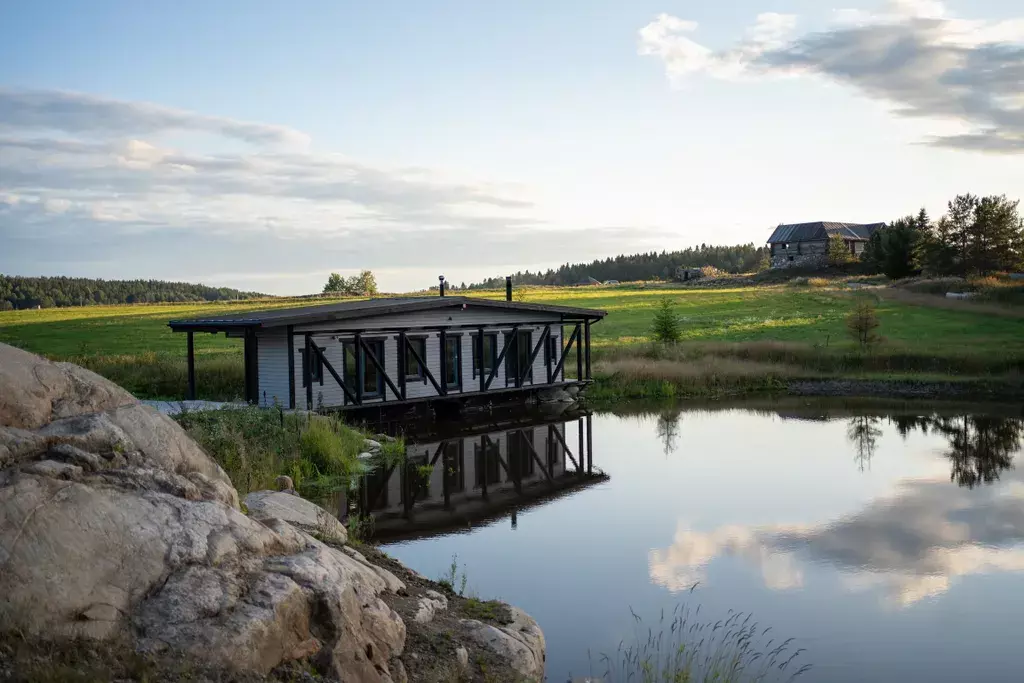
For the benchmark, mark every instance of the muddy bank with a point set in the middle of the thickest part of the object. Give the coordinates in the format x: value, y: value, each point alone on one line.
x: 909, y: 389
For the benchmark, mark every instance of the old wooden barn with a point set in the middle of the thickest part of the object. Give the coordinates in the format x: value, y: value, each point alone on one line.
x: 402, y: 350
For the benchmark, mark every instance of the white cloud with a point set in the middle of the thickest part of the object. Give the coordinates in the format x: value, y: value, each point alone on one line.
x: 912, y: 54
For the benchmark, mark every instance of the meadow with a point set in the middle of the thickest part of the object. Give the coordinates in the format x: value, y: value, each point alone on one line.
x: 767, y: 332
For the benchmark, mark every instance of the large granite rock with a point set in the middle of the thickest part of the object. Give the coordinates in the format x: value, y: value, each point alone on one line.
x: 297, y: 511
x: 520, y: 643
x: 113, y: 522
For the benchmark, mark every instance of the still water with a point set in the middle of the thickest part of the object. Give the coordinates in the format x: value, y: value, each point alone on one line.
x: 888, y: 541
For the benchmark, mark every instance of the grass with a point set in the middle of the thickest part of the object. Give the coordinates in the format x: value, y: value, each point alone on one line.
x: 683, y: 649
x: 254, y: 446
x: 800, y: 329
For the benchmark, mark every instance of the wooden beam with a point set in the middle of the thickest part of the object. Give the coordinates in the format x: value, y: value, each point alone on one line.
x: 307, y: 376
x: 582, y: 449
x: 380, y: 368
x: 501, y: 356
x: 579, y: 353
x: 565, y: 351
x: 590, y: 446
x: 533, y: 356
x: 444, y: 361
x: 354, y: 397
x: 426, y: 371
x: 359, y: 368
x: 191, y: 353
x: 586, y: 346
x: 481, y: 361
x: 402, y: 353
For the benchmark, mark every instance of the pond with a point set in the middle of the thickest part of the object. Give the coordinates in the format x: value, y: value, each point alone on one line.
x: 887, y: 540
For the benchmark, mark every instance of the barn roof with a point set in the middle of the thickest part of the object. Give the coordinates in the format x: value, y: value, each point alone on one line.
x: 821, y: 230
x: 349, y: 310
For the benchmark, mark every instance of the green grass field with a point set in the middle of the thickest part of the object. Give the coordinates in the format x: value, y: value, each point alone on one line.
x: 125, y: 343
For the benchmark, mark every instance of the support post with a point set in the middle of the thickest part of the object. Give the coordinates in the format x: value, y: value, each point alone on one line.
x: 191, y: 395
x: 359, y: 368
x: 579, y: 354
x: 574, y: 337
x: 480, y: 361
x: 586, y: 346
x: 443, y: 337
x: 291, y: 367
x: 307, y: 376
x: 483, y: 465
x: 402, y: 342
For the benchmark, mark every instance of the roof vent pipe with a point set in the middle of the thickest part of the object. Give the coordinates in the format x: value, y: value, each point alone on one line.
x: 508, y: 288
x: 440, y: 288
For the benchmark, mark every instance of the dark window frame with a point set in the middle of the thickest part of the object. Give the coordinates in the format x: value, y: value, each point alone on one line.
x: 512, y: 361
x: 379, y: 348
x: 316, y: 372
x: 456, y: 339
x: 493, y: 361
x: 421, y: 348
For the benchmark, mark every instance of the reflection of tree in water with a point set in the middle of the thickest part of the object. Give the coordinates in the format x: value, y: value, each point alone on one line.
x: 863, y: 433
x: 668, y: 430
x: 980, y: 448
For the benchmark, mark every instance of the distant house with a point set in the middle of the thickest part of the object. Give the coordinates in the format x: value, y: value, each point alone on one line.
x: 806, y: 244
x: 684, y: 274
x: 587, y: 281
x: 611, y: 282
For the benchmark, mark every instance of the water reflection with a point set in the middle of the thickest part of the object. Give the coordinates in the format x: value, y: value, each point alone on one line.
x: 911, y: 543
x: 980, y: 448
x: 458, y: 476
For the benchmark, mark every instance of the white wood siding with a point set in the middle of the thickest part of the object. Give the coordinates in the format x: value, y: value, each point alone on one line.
x: 329, y: 394
x: 272, y: 354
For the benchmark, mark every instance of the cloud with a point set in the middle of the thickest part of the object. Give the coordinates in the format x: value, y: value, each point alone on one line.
x: 911, y: 545
x: 82, y: 170
x: 88, y: 114
x: 913, y: 55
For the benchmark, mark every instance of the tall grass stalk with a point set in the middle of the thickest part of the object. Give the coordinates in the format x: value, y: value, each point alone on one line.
x: 682, y: 648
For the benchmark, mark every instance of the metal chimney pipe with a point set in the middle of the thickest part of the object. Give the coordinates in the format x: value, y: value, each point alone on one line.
x: 508, y: 288
x: 440, y: 288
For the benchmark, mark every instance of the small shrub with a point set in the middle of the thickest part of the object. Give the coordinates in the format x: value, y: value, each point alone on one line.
x: 666, y: 327
x: 819, y: 282
x: 453, y: 578
x: 863, y: 323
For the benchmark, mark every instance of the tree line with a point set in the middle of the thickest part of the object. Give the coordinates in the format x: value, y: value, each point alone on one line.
x: 653, y: 265
x: 47, y: 292
x: 976, y: 236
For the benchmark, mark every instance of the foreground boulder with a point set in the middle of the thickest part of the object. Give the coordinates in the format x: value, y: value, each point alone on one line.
x: 114, y: 523
x: 116, y: 526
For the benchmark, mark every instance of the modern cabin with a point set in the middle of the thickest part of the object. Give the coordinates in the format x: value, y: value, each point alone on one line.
x: 806, y: 244
x: 384, y: 352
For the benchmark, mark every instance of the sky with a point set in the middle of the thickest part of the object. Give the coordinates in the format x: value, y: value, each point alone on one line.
x: 263, y: 145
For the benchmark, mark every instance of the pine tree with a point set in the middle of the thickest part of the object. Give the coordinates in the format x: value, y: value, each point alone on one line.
x: 666, y: 327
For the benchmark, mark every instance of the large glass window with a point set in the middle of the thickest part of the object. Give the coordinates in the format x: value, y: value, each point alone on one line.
x: 413, y: 370
x: 490, y: 353
x: 517, y: 358
x: 453, y: 361
x: 315, y: 364
x: 372, y: 381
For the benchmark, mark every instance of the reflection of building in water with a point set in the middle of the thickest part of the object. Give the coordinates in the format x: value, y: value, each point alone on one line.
x: 480, y: 474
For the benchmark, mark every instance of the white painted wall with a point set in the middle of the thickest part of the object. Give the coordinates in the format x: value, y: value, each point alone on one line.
x: 330, y: 337
x: 272, y: 354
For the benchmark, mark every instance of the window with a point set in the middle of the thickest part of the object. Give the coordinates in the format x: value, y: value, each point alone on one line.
x: 453, y: 361
x: 372, y: 381
x: 413, y: 370
x: 552, y: 351
x: 518, y: 356
x: 315, y: 365
x: 490, y: 353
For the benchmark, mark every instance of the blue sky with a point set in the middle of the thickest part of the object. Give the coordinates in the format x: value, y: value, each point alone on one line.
x: 264, y: 144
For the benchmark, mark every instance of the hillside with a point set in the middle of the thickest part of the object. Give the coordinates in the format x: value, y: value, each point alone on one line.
x: 47, y: 292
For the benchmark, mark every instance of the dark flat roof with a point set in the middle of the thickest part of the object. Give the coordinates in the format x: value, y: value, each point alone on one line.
x: 350, y: 310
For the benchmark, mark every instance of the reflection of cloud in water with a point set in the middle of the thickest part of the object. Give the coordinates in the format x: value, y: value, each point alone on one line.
x: 910, y: 545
